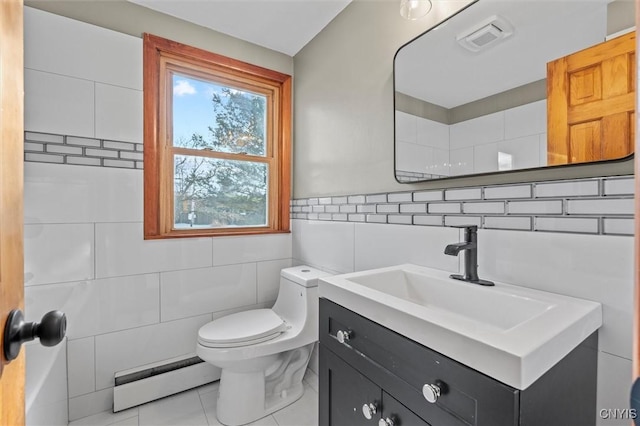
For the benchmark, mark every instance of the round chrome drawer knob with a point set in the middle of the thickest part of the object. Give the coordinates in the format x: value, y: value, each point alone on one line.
x: 386, y: 422
x: 431, y: 393
x: 343, y: 336
x: 368, y: 410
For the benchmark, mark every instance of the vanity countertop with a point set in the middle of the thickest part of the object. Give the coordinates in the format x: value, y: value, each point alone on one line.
x: 513, y: 334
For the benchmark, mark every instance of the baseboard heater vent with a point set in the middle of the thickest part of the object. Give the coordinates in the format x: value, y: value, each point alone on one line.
x: 154, y: 381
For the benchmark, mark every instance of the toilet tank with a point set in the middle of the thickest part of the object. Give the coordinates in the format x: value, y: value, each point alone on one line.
x: 303, y: 275
x: 297, y: 301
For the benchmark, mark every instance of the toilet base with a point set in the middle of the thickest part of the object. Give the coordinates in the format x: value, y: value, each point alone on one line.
x: 245, y: 397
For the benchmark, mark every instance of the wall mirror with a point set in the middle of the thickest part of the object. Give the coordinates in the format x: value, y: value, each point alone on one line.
x: 516, y: 84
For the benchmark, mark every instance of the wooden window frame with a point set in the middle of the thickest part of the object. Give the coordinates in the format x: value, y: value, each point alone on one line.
x: 161, y: 57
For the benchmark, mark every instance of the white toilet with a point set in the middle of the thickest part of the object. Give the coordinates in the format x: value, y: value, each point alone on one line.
x: 263, y: 353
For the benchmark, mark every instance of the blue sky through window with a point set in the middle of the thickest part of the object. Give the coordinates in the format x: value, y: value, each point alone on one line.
x: 192, y: 107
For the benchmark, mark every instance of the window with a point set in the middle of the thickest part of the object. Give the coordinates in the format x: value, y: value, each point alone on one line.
x: 216, y: 144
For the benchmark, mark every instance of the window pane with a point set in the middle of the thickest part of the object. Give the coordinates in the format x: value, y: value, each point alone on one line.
x: 207, y: 115
x: 213, y: 193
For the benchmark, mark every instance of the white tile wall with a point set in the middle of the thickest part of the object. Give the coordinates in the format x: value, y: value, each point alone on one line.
x: 46, y: 384
x: 461, y: 161
x: 508, y: 222
x: 601, y: 206
x: 231, y: 250
x: 413, y: 158
x: 58, y: 253
x: 385, y: 245
x: 118, y: 113
x: 563, y: 224
x: 197, y: 291
x: 619, y: 186
x: 428, y: 196
x: 597, y: 268
x: 67, y: 47
x: 433, y: 134
x: 477, y: 131
x: 81, y: 365
x: 327, y: 244
x: 99, y: 306
x: 524, y: 151
x: 58, y: 104
x: 525, y: 120
x: 619, y: 226
x: 508, y: 191
x: 463, y: 194
x: 567, y: 189
x: 472, y: 146
x: 462, y: 220
x: 54, y: 194
x: 535, y: 207
x: 120, y: 250
x: 485, y: 158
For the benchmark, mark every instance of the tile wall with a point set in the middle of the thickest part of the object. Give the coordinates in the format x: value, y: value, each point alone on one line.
x: 586, y: 206
x: 129, y: 302
x: 516, y: 136
x: 593, y: 267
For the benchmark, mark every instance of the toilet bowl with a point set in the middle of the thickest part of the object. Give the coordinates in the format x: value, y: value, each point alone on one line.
x: 264, y: 353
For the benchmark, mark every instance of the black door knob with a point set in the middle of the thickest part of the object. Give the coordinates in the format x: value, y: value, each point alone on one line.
x: 50, y: 331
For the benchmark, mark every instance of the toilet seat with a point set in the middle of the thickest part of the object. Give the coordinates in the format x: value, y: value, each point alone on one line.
x: 241, y: 329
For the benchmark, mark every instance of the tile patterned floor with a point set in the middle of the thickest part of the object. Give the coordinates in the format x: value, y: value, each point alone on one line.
x: 197, y: 407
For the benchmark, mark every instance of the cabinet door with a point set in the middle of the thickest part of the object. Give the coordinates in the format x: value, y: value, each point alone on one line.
x: 398, y: 414
x: 343, y: 392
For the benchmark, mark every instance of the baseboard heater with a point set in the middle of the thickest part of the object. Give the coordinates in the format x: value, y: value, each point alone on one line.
x: 154, y: 381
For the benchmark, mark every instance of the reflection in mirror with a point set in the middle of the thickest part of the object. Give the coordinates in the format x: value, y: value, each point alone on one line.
x: 516, y: 84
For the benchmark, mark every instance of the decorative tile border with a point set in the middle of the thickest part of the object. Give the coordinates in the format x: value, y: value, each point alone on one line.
x: 62, y: 149
x: 600, y: 206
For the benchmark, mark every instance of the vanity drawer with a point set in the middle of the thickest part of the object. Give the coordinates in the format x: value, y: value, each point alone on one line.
x: 467, y: 397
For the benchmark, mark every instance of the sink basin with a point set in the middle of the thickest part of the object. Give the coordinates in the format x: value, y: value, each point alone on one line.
x: 513, y: 334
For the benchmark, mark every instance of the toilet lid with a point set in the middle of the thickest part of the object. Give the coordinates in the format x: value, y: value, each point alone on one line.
x: 242, y: 328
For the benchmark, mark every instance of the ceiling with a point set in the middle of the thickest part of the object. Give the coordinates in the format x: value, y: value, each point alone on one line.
x: 282, y: 25
x: 436, y: 69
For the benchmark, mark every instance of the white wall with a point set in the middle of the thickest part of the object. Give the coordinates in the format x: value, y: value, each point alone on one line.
x: 473, y: 146
x: 598, y: 268
x: 128, y: 301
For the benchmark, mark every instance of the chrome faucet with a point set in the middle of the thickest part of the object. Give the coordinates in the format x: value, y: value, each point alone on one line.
x: 470, y: 247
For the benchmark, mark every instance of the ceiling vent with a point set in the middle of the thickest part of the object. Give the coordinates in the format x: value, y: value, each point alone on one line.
x: 485, y: 34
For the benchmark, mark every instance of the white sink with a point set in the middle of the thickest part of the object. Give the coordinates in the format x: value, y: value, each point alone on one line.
x: 513, y: 334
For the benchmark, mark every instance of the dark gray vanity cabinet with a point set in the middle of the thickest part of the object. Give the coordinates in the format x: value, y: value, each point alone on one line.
x: 370, y: 375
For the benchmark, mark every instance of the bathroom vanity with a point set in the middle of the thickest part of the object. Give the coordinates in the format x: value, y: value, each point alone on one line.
x: 371, y: 372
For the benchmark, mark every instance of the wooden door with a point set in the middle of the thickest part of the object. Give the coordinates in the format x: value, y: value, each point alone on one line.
x: 11, y: 194
x: 591, y: 103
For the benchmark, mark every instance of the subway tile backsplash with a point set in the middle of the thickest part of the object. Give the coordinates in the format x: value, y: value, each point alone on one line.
x: 61, y: 149
x: 601, y: 206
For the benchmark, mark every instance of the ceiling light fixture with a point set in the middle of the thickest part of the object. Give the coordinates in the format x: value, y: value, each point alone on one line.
x: 414, y: 9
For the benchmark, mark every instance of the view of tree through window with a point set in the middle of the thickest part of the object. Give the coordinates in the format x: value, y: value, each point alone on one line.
x: 217, y: 144
x: 217, y: 192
